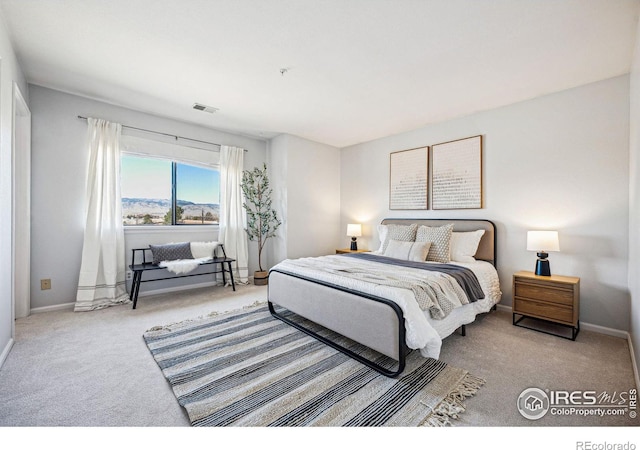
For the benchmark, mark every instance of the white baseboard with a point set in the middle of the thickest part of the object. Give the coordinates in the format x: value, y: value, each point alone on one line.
x: 64, y: 306
x: 44, y: 309
x: 603, y: 330
x: 5, y: 352
x: 584, y: 326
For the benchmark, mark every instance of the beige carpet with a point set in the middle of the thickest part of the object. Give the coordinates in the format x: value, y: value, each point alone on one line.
x: 94, y: 369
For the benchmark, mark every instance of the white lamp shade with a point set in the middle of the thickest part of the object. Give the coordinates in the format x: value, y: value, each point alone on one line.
x: 543, y: 241
x: 354, y: 230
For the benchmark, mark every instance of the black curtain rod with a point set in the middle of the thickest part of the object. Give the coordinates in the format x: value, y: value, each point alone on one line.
x: 163, y: 134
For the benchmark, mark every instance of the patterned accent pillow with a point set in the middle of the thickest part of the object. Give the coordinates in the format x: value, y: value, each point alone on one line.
x: 171, y: 252
x: 440, y: 238
x: 409, y: 251
x: 396, y: 232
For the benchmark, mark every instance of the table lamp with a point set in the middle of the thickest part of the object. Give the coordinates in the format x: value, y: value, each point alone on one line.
x: 543, y: 242
x: 355, y: 231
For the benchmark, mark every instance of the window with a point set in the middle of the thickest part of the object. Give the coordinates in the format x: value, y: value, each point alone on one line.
x: 164, y: 192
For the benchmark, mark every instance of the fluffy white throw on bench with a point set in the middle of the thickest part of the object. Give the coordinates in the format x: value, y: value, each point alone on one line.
x: 180, y: 266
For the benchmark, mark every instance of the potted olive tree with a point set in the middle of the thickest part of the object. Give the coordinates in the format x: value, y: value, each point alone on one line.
x: 262, y: 221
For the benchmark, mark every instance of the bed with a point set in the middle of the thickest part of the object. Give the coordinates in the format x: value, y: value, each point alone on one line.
x: 388, y: 316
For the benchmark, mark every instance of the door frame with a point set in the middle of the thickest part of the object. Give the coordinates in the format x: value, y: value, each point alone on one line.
x: 20, y: 207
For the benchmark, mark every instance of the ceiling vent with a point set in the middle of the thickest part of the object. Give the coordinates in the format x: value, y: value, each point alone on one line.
x: 205, y: 108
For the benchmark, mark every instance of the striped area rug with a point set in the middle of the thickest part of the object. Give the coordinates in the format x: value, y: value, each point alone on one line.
x: 246, y: 368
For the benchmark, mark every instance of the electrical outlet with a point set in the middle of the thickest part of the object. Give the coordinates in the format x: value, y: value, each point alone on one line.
x: 45, y: 284
x: 129, y: 275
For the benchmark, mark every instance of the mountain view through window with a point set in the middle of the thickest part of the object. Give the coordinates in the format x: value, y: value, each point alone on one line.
x: 147, y: 187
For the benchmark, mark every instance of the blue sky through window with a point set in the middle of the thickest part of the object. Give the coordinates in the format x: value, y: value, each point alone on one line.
x: 197, y: 184
x: 151, y: 178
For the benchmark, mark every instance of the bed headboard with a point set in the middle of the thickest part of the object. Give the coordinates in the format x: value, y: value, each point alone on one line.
x: 486, y: 249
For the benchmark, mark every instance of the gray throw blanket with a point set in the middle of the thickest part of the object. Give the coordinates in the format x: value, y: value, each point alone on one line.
x: 465, y: 277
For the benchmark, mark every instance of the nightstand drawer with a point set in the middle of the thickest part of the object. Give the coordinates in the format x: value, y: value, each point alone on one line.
x: 543, y: 310
x: 554, y: 293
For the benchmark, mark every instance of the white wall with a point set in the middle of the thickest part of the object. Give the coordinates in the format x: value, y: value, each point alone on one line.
x: 555, y: 162
x: 277, y: 167
x: 305, y: 178
x: 58, y: 187
x: 10, y: 72
x: 634, y: 199
x: 313, y: 197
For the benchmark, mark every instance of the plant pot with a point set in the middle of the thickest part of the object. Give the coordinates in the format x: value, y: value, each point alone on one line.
x: 260, y: 278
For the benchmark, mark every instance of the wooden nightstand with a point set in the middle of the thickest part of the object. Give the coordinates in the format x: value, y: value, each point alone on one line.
x: 553, y: 299
x: 347, y: 250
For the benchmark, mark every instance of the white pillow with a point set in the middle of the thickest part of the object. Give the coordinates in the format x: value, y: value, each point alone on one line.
x: 409, y: 251
x: 203, y: 249
x: 382, y: 235
x: 464, y: 245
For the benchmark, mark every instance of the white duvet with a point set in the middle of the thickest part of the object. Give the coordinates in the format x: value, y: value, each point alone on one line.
x: 422, y: 332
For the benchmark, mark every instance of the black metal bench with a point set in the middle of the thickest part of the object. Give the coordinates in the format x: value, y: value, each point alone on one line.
x: 218, y: 262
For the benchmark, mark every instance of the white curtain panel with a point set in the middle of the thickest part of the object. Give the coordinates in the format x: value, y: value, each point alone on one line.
x: 102, y: 272
x: 232, y: 214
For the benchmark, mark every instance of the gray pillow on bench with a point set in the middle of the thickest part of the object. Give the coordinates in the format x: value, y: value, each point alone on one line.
x: 171, y: 252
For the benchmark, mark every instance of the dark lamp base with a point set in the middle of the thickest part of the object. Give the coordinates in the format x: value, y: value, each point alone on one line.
x: 542, y: 268
x: 354, y: 244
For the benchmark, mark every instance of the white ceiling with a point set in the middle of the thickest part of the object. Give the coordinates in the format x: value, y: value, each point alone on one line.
x: 357, y: 69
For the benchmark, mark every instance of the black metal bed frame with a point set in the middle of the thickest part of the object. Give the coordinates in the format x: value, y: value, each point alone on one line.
x: 403, y: 350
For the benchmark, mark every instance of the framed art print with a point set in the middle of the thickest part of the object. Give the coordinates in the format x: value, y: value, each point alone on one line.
x: 408, y: 179
x: 456, y: 177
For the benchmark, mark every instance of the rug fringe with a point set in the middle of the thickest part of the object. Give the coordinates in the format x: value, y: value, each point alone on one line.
x: 245, y: 307
x: 173, y: 325
x: 453, y: 404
